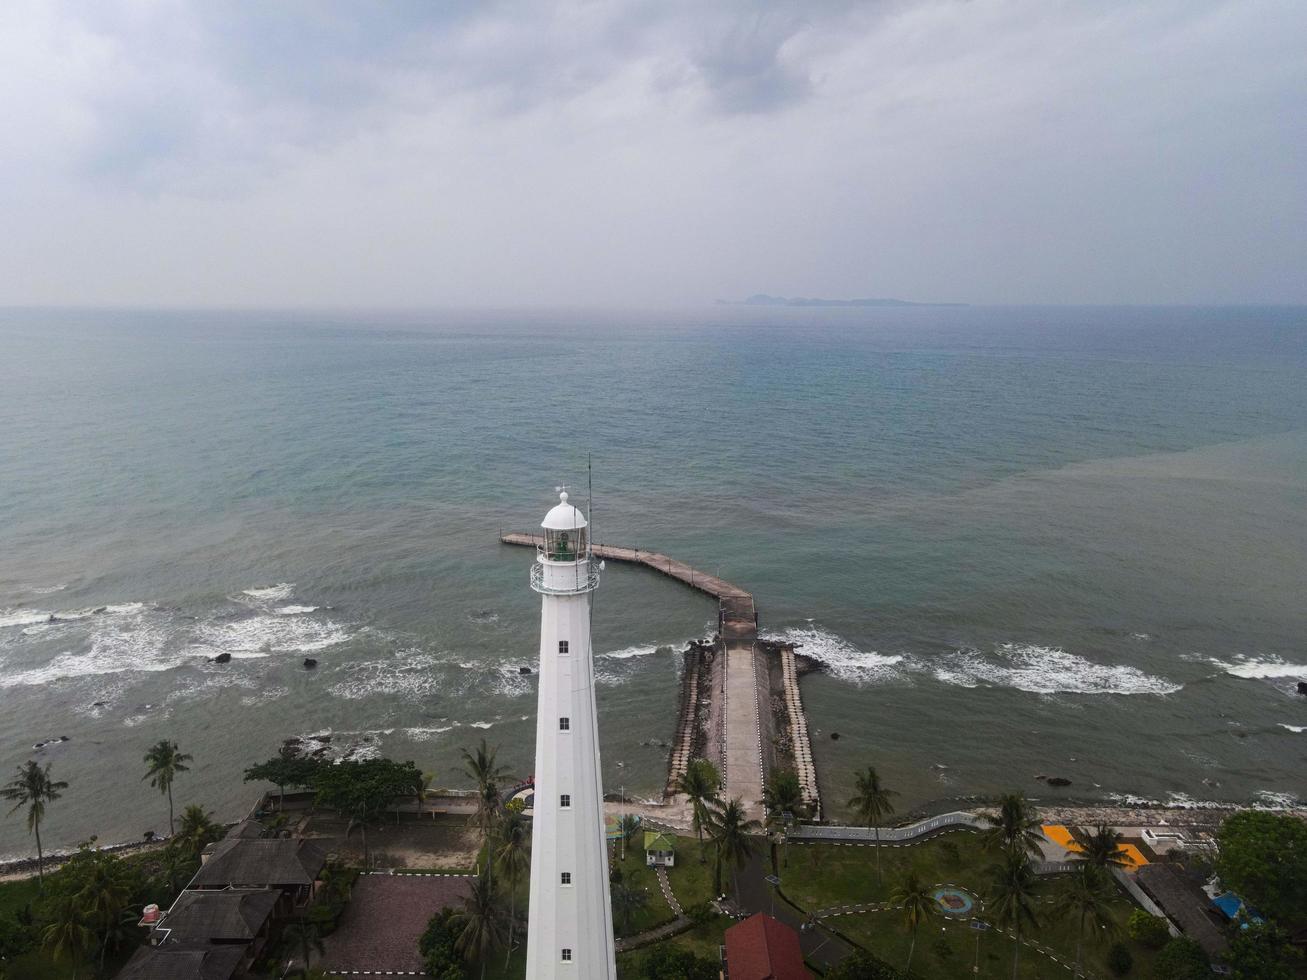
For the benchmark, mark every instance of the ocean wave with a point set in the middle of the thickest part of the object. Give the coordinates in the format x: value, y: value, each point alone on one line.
x: 1261, y: 669
x: 265, y: 634
x: 840, y: 657
x: 22, y: 617
x: 1275, y: 800
x: 265, y: 696
x: 132, y: 642
x: 408, y: 675
x: 1297, y: 729
x: 1046, y: 670
x: 626, y: 653
x: 271, y: 593
x: 44, y: 589
x: 419, y: 733
x: 295, y: 610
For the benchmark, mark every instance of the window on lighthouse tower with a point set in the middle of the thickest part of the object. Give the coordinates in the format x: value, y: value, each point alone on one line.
x: 562, y: 646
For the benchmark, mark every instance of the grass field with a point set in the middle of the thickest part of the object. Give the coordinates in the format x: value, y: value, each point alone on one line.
x: 821, y: 876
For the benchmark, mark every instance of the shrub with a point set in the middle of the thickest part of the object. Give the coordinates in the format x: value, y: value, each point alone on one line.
x: 1181, y: 959
x: 700, y: 913
x: 1119, y: 960
x: 1149, y: 930
x: 439, y: 956
x: 667, y: 962
x: 863, y: 966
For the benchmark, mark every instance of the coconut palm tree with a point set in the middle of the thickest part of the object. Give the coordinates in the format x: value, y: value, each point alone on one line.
x: 783, y: 794
x: 165, y: 760
x: 1102, y: 849
x: 480, y: 922
x: 918, y: 902
x: 303, y: 933
x: 700, y: 783
x: 627, y: 901
x: 486, y: 772
x: 33, y: 788
x: 198, y: 830
x: 1086, y: 900
x: 1014, y: 827
x: 728, y: 831
x: 513, y: 855
x: 1012, y: 896
x: 629, y: 824
x: 872, y: 803
x: 67, y: 936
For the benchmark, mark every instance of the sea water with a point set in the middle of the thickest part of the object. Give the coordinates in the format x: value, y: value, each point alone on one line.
x: 1022, y: 542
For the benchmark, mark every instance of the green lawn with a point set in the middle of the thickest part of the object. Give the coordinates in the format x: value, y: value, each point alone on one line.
x: 704, y: 941
x: 14, y: 895
x: 820, y: 876
x: 691, y: 881
x: 642, y: 878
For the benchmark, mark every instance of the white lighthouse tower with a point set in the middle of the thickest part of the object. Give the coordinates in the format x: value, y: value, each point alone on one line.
x: 571, y: 921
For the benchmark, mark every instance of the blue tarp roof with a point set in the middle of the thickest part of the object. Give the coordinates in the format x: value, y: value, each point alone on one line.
x: 1229, y: 904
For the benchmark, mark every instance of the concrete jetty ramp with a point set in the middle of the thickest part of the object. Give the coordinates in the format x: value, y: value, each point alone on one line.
x: 740, y: 755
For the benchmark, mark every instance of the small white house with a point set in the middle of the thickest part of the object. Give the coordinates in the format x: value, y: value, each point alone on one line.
x: 659, y: 849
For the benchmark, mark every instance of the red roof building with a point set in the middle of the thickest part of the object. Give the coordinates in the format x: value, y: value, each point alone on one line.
x: 760, y: 948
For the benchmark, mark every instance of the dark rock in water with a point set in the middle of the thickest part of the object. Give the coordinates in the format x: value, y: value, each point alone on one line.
x: 1302, y: 687
x: 62, y: 738
x: 310, y: 663
x: 221, y: 658
x: 100, y: 704
x: 524, y: 670
x: 100, y: 609
x: 834, y: 736
x: 148, y: 835
x: 1058, y: 781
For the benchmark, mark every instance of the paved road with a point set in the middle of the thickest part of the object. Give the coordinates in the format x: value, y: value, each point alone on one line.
x: 820, y: 946
x: 743, y: 748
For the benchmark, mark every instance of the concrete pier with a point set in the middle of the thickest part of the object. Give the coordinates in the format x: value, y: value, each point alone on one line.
x: 742, y: 678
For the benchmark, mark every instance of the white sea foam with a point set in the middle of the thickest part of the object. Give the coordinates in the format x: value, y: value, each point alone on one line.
x: 1262, y: 669
x: 626, y: 653
x: 265, y: 696
x: 45, y: 589
x: 271, y: 593
x: 427, y: 734
x: 133, y: 641
x: 840, y: 657
x: 1274, y: 800
x: 1298, y: 729
x: 22, y: 617
x: 480, y: 724
x: 408, y: 675
x: 294, y: 610
x: 264, y: 634
x: 1046, y: 670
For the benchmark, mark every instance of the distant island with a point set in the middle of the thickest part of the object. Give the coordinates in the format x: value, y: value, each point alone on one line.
x: 762, y: 299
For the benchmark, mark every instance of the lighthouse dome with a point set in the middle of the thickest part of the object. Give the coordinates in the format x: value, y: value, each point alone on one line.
x: 564, y: 517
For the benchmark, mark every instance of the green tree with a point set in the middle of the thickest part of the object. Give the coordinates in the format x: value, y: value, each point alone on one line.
x: 513, y: 857
x: 363, y: 789
x: 872, y: 803
x: 1086, y: 900
x: 916, y: 899
x: 1263, y: 952
x: 729, y: 831
x: 287, y: 768
x: 665, y: 961
x: 1102, y: 848
x: 67, y: 935
x: 198, y: 830
x: 1263, y: 857
x: 783, y: 794
x: 33, y: 788
x: 862, y: 965
x: 627, y: 901
x: 486, y: 772
x: 164, y: 761
x: 1181, y: 959
x: 699, y: 784
x: 1012, y: 897
x: 305, y: 935
x: 438, y: 947
x: 1148, y: 929
x: 480, y: 922
x: 1014, y: 827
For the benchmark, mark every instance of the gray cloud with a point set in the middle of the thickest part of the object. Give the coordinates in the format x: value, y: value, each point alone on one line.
x: 580, y: 151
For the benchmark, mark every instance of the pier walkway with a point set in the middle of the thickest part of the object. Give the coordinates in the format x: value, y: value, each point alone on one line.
x: 741, y: 757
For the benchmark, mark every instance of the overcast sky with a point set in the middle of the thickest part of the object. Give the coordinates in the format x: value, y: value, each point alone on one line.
x: 443, y: 153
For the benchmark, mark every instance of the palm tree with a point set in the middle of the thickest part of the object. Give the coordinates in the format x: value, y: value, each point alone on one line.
x: 728, y: 830
x: 67, y: 936
x: 103, y: 898
x: 1086, y: 900
x: 872, y: 804
x: 33, y: 788
x: 1012, y: 895
x: 198, y: 829
x: 482, y: 919
x: 1015, y: 827
x: 304, y: 933
x: 627, y: 901
x: 1102, y: 849
x: 423, y: 790
x: 513, y: 855
x: 487, y: 774
x: 918, y: 902
x: 165, y: 760
x: 699, y: 783
x: 783, y: 794
x: 629, y: 823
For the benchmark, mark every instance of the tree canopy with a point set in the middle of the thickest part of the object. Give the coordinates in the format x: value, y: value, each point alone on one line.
x: 362, y: 789
x: 1264, y: 859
